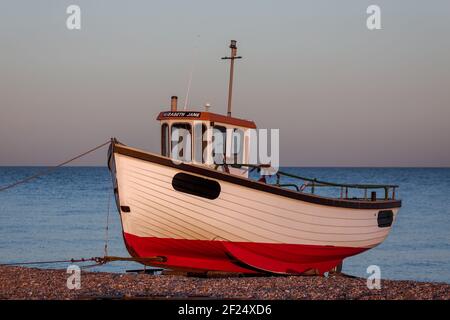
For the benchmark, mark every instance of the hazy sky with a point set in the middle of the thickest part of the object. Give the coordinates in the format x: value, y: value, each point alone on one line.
x: 340, y: 94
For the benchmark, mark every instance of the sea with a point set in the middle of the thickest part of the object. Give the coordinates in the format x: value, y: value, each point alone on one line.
x: 64, y: 215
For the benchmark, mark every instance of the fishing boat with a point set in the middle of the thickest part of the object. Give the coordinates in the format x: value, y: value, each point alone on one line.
x: 199, y: 214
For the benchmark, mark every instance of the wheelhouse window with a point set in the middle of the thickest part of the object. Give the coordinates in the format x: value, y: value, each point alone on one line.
x: 165, y: 140
x: 219, y: 144
x: 200, y: 142
x: 237, y: 146
x: 181, y: 134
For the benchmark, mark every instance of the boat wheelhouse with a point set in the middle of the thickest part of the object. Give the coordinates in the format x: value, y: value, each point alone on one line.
x: 189, y: 136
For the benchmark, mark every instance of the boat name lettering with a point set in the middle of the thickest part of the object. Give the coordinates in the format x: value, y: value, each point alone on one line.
x: 182, y: 114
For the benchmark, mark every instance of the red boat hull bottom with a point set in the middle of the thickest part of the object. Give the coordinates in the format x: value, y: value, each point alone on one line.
x: 243, y: 257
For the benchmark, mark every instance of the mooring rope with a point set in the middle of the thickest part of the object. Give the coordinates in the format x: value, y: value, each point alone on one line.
x: 98, y: 260
x: 47, y: 262
x: 51, y: 169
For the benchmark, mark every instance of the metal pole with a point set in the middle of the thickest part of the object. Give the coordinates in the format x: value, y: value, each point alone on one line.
x: 230, y: 86
x: 233, y: 56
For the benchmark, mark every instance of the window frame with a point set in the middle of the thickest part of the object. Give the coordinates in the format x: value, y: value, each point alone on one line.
x: 191, y: 139
x: 238, y: 156
x: 203, y: 144
x: 165, y: 140
x: 224, y: 142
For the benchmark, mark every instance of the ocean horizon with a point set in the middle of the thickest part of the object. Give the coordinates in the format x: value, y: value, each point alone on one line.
x: 63, y: 215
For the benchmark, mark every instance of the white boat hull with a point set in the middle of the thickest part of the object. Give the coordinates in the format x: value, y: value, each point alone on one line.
x: 252, y: 228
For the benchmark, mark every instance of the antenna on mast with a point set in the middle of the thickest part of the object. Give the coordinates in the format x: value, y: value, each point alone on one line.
x: 230, y: 85
x: 186, y: 100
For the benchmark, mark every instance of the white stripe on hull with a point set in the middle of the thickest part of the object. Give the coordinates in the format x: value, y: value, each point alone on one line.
x: 238, y: 214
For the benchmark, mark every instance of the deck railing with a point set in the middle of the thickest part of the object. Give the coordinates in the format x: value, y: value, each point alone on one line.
x: 311, y: 184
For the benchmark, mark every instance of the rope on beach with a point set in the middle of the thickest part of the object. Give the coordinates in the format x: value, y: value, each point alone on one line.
x: 47, y: 262
x: 98, y: 260
x: 51, y: 169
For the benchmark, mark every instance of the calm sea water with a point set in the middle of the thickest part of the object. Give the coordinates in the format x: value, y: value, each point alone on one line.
x: 63, y: 215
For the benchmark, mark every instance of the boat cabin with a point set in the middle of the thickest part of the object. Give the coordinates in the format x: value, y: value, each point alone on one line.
x: 206, y: 138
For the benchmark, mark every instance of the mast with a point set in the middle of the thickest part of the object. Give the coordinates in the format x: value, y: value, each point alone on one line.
x: 233, y: 56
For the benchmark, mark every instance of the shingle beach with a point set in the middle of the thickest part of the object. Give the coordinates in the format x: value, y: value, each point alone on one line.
x: 32, y: 283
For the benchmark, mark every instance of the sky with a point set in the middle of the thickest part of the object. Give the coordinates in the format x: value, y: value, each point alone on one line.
x: 341, y: 95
